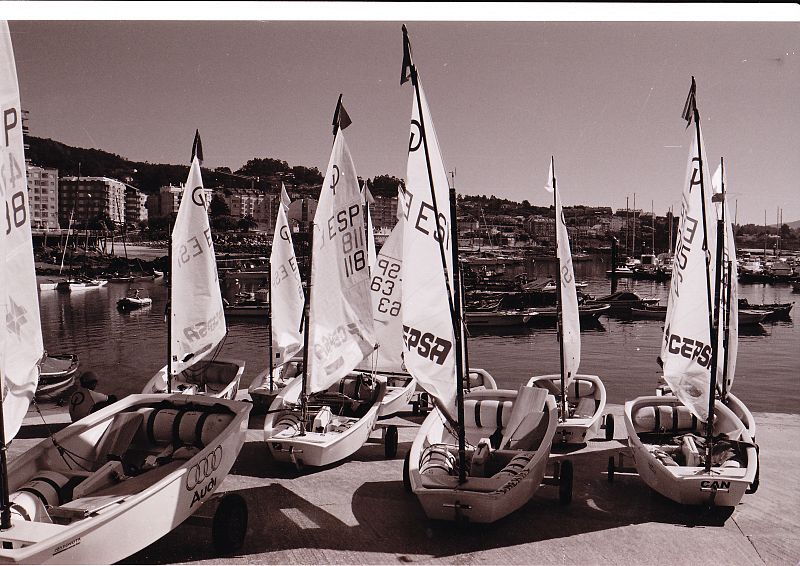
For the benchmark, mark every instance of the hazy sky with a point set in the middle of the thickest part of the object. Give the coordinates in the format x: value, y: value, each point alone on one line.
x: 604, y: 98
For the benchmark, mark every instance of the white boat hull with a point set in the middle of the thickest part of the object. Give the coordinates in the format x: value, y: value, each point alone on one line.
x: 219, y: 378
x: 399, y: 392
x: 124, y: 515
x: 289, y: 443
x: 723, y: 486
x: 583, y: 424
x: 479, y: 499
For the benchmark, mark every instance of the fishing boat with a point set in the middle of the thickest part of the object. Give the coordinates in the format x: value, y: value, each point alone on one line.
x: 775, y: 311
x: 327, y: 412
x: 622, y: 301
x: 285, y: 313
x: 547, y: 316
x: 498, y: 318
x: 196, y: 320
x: 688, y: 445
x: 133, y: 301
x: 620, y: 271
x: 750, y: 317
x: 108, y: 485
x: 453, y: 467
x: 581, y: 399
x: 652, y: 312
x: 56, y: 375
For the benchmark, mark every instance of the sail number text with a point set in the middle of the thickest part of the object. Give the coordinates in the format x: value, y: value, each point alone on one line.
x: 424, y: 218
x: 385, y: 281
x: 193, y: 247
x: 348, y: 226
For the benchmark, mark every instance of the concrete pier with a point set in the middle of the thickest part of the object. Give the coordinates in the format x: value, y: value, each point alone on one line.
x: 358, y: 513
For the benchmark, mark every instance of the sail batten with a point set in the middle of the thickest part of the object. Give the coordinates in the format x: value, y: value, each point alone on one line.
x: 20, y: 325
x: 341, y: 325
x: 198, y: 319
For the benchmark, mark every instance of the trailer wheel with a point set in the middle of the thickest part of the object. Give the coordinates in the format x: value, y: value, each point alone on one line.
x: 414, y: 407
x: 609, y: 427
x: 390, y: 441
x: 565, y: 483
x: 423, y: 402
x: 754, y: 486
x: 229, y: 525
x: 407, y: 472
x: 611, y: 469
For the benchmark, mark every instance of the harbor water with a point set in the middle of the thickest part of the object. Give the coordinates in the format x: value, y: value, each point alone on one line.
x: 125, y: 349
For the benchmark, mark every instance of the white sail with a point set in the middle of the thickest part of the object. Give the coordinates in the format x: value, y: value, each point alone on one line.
x: 570, y: 321
x: 20, y: 326
x: 341, y: 327
x: 427, y: 284
x: 386, y: 287
x: 198, y: 321
x: 731, y: 348
x: 686, y: 348
x: 286, y: 287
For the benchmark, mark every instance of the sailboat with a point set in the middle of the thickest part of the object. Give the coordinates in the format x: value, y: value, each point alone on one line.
x: 481, y: 455
x: 385, y: 286
x: 690, y: 446
x: 581, y: 397
x: 106, y: 486
x: 196, y: 321
x: 285, y: 313
x: 328, y: 411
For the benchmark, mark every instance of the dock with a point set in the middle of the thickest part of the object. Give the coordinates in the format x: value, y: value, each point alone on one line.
x: 357, y: 512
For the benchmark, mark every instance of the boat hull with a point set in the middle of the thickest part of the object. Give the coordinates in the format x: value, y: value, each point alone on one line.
x: 496, y: 319
x: 685, y: 484
x: 57, y: 375
x: 220, y: 376
x: 341, y: 438
x: 399, y: 392
x: 576, y: 429
x: 479, y: 499
x: 124, y: 515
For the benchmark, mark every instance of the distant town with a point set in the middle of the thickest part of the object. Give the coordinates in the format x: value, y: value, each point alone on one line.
x: 89, y: 189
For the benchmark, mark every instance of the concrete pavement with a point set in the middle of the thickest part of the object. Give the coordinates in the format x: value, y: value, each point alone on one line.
x: 359, y: 513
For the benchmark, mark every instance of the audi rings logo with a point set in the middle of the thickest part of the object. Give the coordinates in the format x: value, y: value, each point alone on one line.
x: 204, y: 468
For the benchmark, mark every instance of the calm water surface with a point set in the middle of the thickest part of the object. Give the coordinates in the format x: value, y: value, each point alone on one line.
x: 126, y: 349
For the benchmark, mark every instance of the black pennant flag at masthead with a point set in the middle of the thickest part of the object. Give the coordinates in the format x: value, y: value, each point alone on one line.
x: 408, y: 70
x: 197, y: 147
x: 691, y: 104
x: 341, y: 119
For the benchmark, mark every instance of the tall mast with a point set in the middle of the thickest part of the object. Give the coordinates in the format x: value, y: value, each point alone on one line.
x: 559, y: 326
x: 269, y: 328
x: 306, y: 317
x: 454, y: 314
x: 728, y: 291
x: 169, y: 305
x: 713, y: 306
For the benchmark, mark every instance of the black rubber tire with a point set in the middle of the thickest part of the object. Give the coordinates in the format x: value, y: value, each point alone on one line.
x: 609, y: 427
x: 406, y: 472
x: 565, y: 483
x: 414, y: 408
x: 229, y: 525
x: 390, y: 442
x: 611, y: 469
x: 754, y: 486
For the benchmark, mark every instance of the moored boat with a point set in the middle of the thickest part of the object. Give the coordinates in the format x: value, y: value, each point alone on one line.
x: 498, y: 318
x: 56, y: 376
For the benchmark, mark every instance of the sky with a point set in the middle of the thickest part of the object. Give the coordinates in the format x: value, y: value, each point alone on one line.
x: 603, y: 97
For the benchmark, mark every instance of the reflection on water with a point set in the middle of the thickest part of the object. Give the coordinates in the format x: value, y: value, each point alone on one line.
x: 126, y: 349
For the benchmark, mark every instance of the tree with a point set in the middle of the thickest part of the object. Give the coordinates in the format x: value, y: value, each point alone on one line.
x: 247, y: 223
x: 218, y: 207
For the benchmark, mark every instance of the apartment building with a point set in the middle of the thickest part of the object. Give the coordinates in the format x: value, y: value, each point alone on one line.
x: 43, y: 197
x: 89, y: 198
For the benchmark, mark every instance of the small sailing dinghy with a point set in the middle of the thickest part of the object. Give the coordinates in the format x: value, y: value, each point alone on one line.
x: 195, y: 321
x: 689, y: 446
x: 106, y: 486
x: 328, y: 412
x: 285, y: 312
x: 387, y: 360
x: 481, y: 455
x: 581, y: 398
